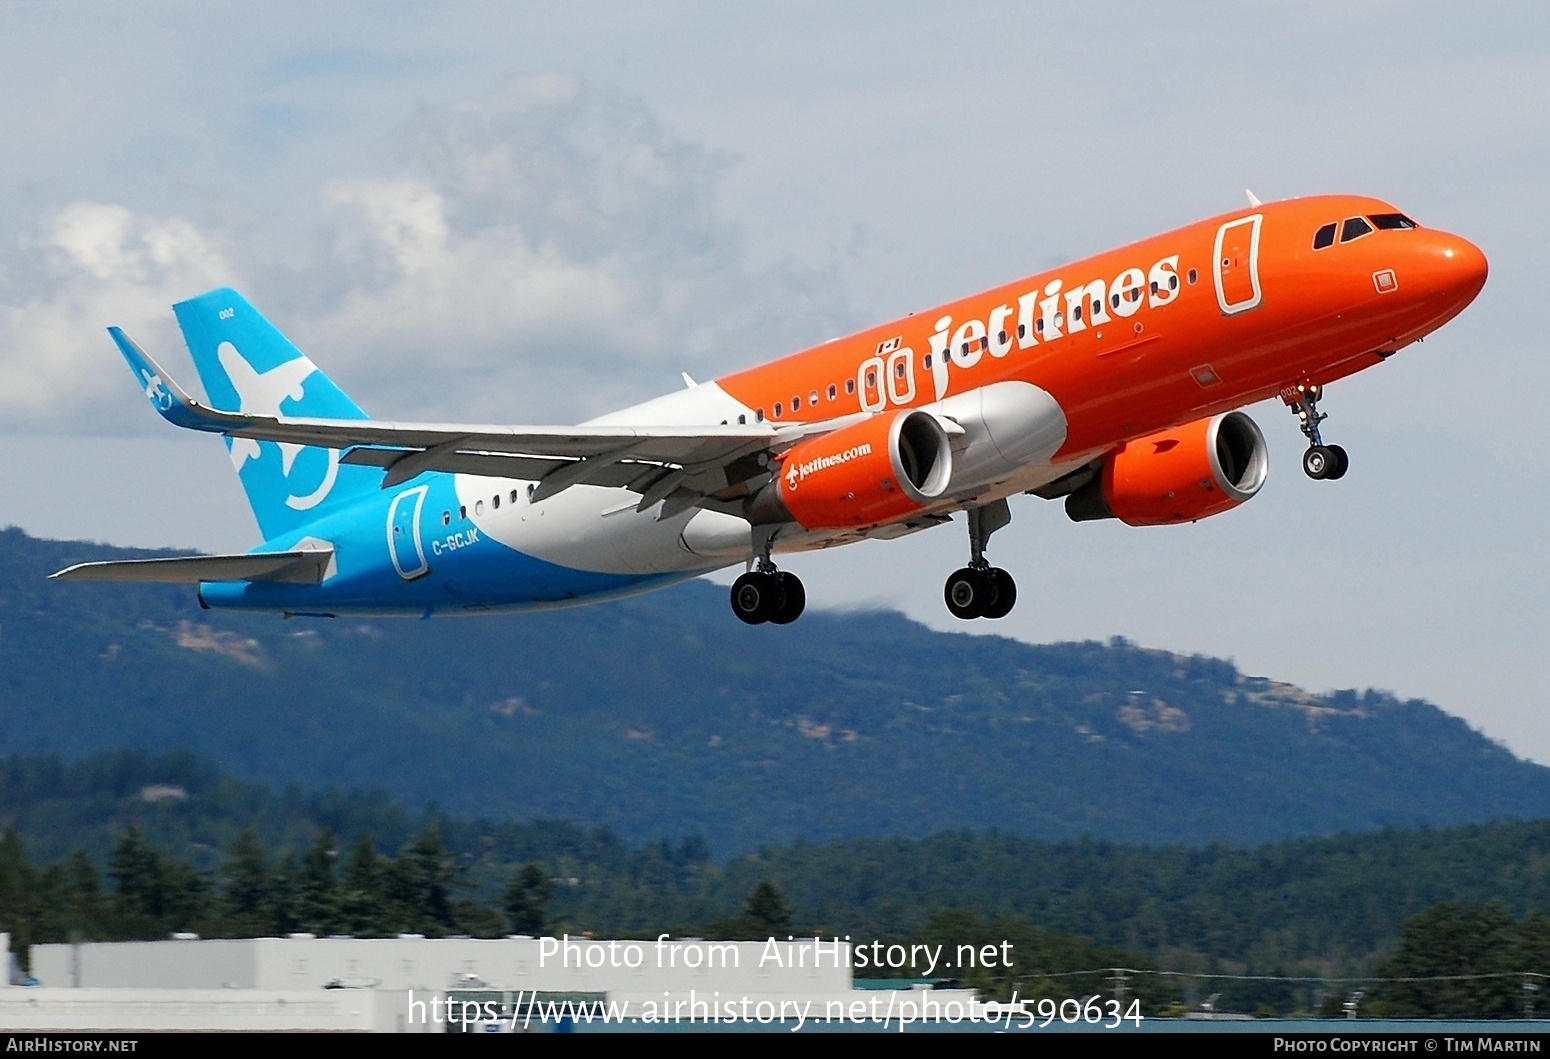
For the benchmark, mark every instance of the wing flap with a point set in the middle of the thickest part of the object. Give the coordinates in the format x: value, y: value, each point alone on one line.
x: 301, y: 568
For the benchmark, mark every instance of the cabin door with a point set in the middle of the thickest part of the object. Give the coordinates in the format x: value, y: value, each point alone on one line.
x: 1237, y: 265
x: 403, y: 531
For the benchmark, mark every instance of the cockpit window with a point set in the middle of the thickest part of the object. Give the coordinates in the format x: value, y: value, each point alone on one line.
x: 1387, y: 221
x: 1324, y: 236
x: 1354, y: 228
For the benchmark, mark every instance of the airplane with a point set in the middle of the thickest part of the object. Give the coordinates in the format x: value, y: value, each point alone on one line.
x: 1113, y: 384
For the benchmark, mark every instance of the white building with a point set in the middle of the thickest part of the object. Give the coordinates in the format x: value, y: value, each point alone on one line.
x: 406, y: 983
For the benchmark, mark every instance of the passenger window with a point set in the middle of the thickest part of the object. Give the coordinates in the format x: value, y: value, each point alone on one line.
x: 796, y: 402
x: 1076, y: 313
x: 1038, y: 325
x: 898, y: 369
x: 1193, y: 276
x: 514, y: 495
x: 812, y: 398
x: 462, y: 512
x: 850, y: 385
x: 478, y: 507
x: 758, y: 415
x: 1354, y: 228
x: 777, y: 409
x: 1324, y: 236
x: 1173, y: 281
x: 742, y: 419
x: 1001, y: 338
x: 1389, y: 221
x: 871, y: 379
x: 1022, y: 330
x: 496, y: 503
x: 1114, y: 298
x: 446, y: 518
x: 833, y: 392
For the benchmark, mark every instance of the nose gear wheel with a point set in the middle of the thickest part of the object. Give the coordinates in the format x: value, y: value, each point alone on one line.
x: 1325, y: 462
x: 1320, y: 462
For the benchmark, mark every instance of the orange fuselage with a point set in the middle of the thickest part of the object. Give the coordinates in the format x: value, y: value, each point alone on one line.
x: 1200, y: 320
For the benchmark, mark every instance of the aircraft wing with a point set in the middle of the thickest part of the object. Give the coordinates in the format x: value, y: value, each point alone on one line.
x: 299, y: 567
x: 680, y: 464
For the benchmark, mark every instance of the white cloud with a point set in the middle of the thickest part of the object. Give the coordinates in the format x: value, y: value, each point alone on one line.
x: 559, y: 251
x: 550, y: 251
x: 95, y: 264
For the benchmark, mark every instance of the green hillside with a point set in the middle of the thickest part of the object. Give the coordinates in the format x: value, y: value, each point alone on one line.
x: 661, y: 716
x: 1312, y: 906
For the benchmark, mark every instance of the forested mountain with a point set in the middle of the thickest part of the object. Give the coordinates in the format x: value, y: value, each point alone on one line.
x: 661, y: 716
x: 1312, y: 906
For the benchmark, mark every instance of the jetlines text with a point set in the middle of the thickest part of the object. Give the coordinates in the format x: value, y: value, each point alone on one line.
x: 1042, y: 315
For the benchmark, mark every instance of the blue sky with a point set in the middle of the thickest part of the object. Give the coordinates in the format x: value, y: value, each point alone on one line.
x: 535, y: 213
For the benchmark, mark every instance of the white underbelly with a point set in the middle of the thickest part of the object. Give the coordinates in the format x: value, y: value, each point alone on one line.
x: 596, y: 528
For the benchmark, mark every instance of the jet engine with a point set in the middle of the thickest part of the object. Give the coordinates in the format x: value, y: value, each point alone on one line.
x: 999, y: 430
x: 873, y: 471
x: 1179, y: 475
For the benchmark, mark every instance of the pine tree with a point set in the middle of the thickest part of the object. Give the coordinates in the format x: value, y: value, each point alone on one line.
x: 766, y: 912
x: 361, y: 901
x: 1468, y: 951
x: 280, y: 909
x: 18, y: 891
x: 526, y: 897
x: 85, y: 914
x: 420, y: 884
x: 247, y: 887
x: 317, y: 900
x: 140, y: 900
x: 185, y: 896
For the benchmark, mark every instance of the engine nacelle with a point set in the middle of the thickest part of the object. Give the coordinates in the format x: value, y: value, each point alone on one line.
x: 1180, y: 475
x: 1006, y: 428
x: 878, y: 470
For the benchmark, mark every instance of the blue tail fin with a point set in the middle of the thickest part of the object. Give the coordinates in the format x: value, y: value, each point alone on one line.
x: 246, y: 365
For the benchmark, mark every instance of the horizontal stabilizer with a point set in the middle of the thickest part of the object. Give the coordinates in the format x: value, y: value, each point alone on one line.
x: 299, y: 568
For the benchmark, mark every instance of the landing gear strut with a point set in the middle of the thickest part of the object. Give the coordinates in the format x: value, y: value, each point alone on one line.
x: 1320, y: 461
x: 980, y: 590
x: 765, y: 594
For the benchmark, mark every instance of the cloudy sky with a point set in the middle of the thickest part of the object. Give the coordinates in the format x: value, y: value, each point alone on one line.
x: 515, y: 213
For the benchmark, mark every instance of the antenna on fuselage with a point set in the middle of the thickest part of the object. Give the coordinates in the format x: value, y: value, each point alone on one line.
x: 1253, y: 198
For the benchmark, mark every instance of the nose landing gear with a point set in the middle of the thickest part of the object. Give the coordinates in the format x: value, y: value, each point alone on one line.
x: 980, y: 590
x: 1320, y: 461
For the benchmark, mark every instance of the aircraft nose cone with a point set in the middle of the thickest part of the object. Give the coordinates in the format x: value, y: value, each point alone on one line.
x: 1453, y: 266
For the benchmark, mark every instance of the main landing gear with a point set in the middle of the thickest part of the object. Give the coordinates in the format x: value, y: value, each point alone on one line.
x: 980, y: 590
x: 767, y: 594
x: 1321, y: 461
